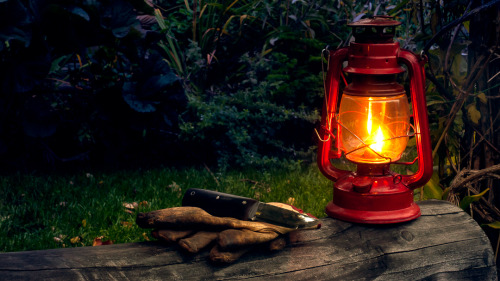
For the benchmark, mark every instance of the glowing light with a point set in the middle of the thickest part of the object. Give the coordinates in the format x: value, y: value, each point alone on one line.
x: 378, y: 145
x: 377, y: 140
x: 369, y: 121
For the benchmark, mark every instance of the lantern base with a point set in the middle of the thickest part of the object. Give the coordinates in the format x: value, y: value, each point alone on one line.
x: 372, y: 200
x: 373, y: 217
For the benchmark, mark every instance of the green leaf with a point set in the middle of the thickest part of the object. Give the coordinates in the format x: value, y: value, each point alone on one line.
x: 482, y: 98
x: 432, y: 190
x: 160, y: 20
x: 473, y: 114
x: 466, y: 25
x: 399, y: 7
x: 119, y: 17
x: 139, y: 105
x: 467, y: 200
x: 445, y: 193
x: 58, y: 63
x: 459, y: 64
x: 412, y: 142
x: 429, y: 103
x: 79, y: 12
x: 15, y: 26
x: 134, y: 101
x: 434, y: 22
x: 494, y: 225
x: 158, y: 83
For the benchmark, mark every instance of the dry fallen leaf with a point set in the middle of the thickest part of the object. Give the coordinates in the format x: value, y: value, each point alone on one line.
x: 257, y: 195
x: 128, y: 205
x: 131, y: 206
x: 127, y: 224
x: 174, y: 187
x: 145, y: 236
x: 60, y: 239
x: 75, y: 240
x: 98, y: 241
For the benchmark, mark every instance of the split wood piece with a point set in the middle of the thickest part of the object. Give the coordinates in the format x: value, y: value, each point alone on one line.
x: 445, y: 243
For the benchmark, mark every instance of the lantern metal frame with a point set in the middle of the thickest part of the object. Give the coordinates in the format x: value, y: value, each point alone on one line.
x: 373, y: 193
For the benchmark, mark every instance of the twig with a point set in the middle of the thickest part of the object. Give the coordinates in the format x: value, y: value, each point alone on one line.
x: 491, y: 79
x: 254, y: 182
x: 439, y: 87
x: 463, y: 97
x: 447, y: 57
x: 451, y: 162
x: 491, y: 208
x: 496, y: 251
x: 463, y: 18
x: 421, y: 14
x: 466, y: 177
x: 483, y: 137
x: 471, y: 149
x: 487, y: 141
x: 212, y: 174
x: 467, y: 183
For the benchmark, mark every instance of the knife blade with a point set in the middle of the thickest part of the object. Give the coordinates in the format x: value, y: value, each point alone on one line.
x: 228, y: 205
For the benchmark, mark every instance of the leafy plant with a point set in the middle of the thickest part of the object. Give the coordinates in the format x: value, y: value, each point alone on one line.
x: 78, y: 74
x: 249, y: 126
x: 467, y: 200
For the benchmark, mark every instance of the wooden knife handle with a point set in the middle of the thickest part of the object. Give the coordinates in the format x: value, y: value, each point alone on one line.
x: 221, y: 204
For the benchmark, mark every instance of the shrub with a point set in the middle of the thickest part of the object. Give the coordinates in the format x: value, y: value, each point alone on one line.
x: 80, y: 80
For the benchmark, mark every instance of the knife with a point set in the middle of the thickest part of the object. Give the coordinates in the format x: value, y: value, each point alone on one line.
x: 228, y: 205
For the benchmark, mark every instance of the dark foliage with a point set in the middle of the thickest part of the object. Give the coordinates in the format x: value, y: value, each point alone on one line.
x: 81, y: 81
x: 115, y: 82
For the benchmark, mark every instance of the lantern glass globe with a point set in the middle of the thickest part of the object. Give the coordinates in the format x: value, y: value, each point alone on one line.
x: 374, y: 129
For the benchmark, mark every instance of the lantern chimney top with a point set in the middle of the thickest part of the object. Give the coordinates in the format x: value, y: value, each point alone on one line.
x: 376, y: 29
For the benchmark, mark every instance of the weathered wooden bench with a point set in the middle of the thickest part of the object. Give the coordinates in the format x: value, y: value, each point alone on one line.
x: 443, y: 244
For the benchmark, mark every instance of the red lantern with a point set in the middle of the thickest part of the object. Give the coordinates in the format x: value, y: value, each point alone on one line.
x: 371, y: 126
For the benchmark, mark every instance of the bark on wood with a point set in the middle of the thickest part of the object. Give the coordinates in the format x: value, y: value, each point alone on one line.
x: 443, y: 244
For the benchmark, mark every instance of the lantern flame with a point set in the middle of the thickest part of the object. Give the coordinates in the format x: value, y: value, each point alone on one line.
x: 378, y: 139
x: 369, y: 121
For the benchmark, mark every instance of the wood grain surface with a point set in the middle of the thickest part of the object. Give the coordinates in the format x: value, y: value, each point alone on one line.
x: 443, y: 244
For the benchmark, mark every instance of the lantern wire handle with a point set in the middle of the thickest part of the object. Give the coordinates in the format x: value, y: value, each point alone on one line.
x: 319, y: 137
x: 343, y: 77
x: 365, y: 145
x: 328, y: 117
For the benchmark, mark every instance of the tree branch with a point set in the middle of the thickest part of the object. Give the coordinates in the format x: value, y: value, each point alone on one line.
x: 466, y: 177
x: 457, y: 21
x: 462, y: 98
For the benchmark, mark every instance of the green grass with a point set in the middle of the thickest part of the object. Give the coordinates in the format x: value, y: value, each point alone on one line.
x: 49, y: 211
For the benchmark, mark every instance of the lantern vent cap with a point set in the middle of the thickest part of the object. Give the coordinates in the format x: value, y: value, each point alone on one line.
x: 376, y: 21
x: 377, y: 29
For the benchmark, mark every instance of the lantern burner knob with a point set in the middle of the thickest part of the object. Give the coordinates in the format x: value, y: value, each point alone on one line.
x: 362, y: 184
